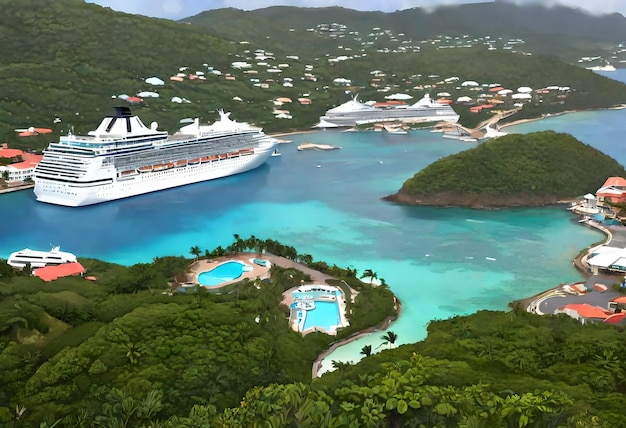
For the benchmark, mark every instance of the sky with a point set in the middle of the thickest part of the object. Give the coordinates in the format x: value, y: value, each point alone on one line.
x: 178, y: 9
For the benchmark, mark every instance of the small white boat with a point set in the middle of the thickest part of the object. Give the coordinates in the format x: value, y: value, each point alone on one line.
x: 276, y: 153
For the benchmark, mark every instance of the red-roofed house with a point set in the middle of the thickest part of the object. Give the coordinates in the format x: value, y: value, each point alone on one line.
x: 20, y: 171
x: 613, y: 190
x: 50, y: 273
x: 616, y: 319
x: 584, y: 312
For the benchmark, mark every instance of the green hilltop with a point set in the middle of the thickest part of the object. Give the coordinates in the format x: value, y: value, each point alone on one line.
x: 71, y: 60
x: 513, y: 170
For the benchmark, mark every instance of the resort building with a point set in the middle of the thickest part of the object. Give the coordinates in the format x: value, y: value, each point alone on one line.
x: 613, y: 190
x: 584, y: 312
x: 607, y: 259
x: 22, y: 167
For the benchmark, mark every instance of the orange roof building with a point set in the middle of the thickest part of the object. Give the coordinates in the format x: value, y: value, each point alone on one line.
x: 50, y: 273
x: 615, y: 182
x: 584, y: 312
x: 7, y: 153
x: 613, y: 190
x: 20, y: 171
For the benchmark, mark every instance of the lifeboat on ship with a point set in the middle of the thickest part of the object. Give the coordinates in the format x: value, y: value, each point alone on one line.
x: 195, y: 161
x: 205, y: 159
x: 214, y: 158
x: 145, y: 169
x: 128, y: 172
x: 180, y: 163
x: 160, y: 167
x: 223, y: 156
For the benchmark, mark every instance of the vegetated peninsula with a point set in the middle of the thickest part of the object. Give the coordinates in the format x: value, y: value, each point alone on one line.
x: 516, y: 170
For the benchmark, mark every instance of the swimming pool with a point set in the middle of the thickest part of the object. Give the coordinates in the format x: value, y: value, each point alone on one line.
x: 325, y: 315
x: 227, y: 271
x: 316, y: 307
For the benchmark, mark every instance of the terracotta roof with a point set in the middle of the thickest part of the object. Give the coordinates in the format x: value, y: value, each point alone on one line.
x: 621, y: 299
x: 615, y: 181
x: 586, y: 310
x: 10, y: 153
x: 50, y: 273
x: 30, y: 161
x: 615, y: 318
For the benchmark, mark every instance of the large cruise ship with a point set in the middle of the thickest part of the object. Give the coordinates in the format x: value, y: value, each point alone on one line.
x: 353, y: 113
x: 123, y: 158
x: 37, y: 258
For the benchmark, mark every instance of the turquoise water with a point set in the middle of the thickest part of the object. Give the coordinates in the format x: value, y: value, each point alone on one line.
x: 434, y: 259
x: 225, y: 272
x: 325, y: 315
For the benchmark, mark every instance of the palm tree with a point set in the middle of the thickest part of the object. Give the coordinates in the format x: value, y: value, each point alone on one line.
x: 238, y: 243
x: 368, y: 273
x: 390, y: 338
x: 195, y: 251
x: 366, y: 350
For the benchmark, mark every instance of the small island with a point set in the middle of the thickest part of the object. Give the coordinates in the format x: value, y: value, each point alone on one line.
x: 515, y: 170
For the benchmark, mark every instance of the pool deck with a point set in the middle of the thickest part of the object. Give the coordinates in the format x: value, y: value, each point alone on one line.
x: 341, y: 302
x: 203, y: 265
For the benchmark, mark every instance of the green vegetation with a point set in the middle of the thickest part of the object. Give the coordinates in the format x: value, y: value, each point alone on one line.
x: 530, y: 169
x: 73, y: 350
x: 560, y: 31
x: 70, y: 59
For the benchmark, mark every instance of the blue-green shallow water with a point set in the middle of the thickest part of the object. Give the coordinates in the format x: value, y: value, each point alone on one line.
x: 434, y: 259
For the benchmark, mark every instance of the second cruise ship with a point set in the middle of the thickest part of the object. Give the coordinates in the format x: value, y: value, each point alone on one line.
x: 354, y: 113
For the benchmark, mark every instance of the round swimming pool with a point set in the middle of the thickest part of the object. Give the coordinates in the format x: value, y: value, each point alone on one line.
x: 227, y: 271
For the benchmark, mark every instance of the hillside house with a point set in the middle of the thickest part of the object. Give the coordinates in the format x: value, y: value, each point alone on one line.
x: 613, y: 190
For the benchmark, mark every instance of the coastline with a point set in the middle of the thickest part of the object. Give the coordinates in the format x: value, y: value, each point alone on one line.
x: 16, y: 188
x: 530, y: 303
x: 384, y: 325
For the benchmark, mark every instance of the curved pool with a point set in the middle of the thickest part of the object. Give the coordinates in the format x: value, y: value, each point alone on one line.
x: 224, y: 272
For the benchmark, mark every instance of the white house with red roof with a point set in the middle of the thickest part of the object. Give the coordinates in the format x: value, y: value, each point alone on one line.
x: 23, y: 166
x: 613, y: 190
x: 584, y: 312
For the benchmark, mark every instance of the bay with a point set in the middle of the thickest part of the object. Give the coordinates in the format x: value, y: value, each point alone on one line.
x: 439, y: 262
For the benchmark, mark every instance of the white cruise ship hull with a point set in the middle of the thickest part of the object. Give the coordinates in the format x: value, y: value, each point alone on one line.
x: 138, y: 183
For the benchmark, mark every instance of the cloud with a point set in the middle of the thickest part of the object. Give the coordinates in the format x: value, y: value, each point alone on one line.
x: 178, y: 9
x: 595, y: 6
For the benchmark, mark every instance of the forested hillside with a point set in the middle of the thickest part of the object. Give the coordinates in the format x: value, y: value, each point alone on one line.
x: 72, y: 350
x: 513, y: 170
x: 561, y: 31
x: 65, y: 65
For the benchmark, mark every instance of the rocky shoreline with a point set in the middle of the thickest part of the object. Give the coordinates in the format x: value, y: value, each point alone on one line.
x: 477, y: 200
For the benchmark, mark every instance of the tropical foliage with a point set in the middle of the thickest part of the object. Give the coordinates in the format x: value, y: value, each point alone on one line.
x: 129, y: 349
x: 75, y: 58
x: 83, y: 354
